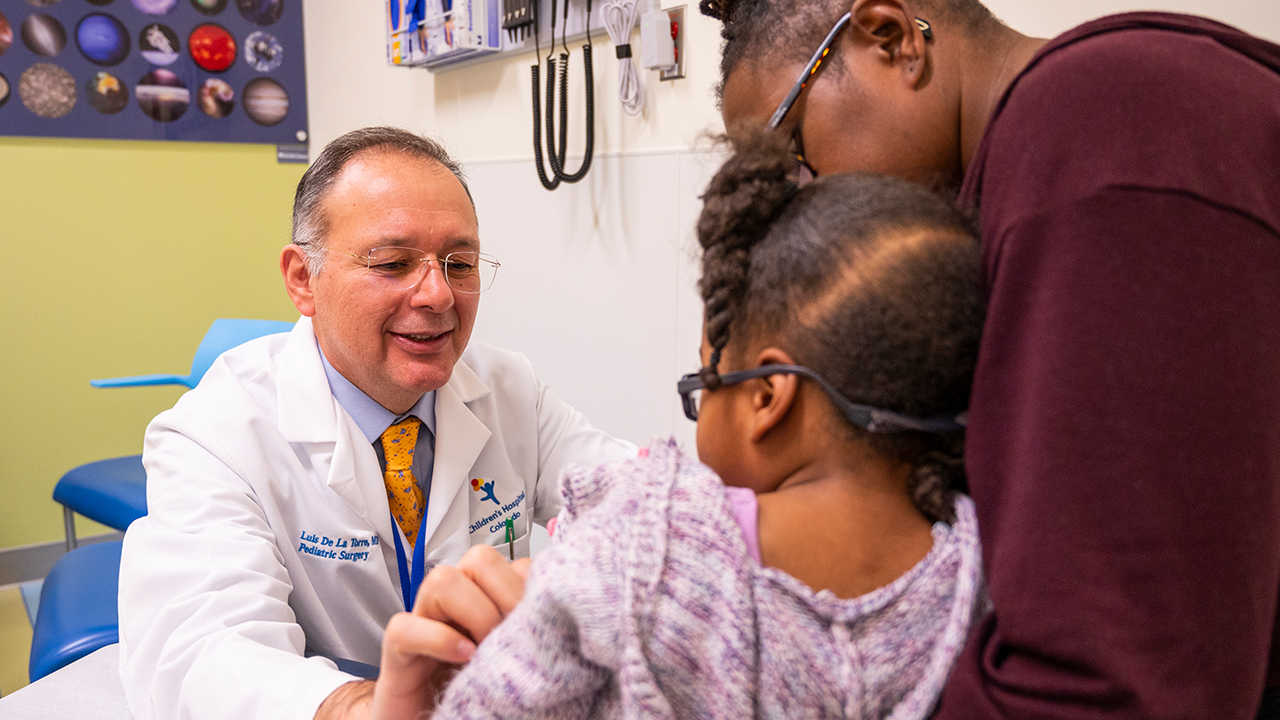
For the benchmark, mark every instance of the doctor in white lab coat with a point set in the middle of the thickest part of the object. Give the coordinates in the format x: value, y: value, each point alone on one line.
x: 269, y: 536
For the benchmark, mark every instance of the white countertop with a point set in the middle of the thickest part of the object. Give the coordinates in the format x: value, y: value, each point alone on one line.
x: 87, y: 689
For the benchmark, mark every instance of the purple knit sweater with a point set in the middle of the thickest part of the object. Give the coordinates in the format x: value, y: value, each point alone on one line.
x: 648, y: 604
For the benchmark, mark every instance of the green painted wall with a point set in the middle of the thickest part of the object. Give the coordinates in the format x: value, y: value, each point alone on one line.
x: 116, y: 257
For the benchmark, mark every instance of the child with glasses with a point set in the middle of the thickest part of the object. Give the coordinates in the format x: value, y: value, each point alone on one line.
x: 822, y: 562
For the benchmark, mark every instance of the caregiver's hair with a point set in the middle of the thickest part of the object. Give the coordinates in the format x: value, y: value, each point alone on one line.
x: 309, y: 222
x: 791, y: 30
x: 873, y: 282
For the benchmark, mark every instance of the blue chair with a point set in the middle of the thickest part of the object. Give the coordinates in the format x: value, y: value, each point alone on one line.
x: 114, y: 491
x: 222, y: 335
x: 77, y: 612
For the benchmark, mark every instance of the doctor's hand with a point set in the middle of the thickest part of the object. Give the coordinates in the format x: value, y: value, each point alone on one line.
x: 456, y: 608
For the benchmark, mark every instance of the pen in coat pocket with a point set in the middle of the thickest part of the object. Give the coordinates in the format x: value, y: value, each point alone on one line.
x: 511, y: 538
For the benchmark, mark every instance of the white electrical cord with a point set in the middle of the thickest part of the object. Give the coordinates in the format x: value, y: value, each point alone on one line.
x: 619, y: 19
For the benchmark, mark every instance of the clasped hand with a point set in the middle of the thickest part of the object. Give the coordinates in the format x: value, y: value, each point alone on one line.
x: 456, y: 608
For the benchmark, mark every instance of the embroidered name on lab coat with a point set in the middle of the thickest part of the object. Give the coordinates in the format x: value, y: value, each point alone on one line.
x: 500, y: 513
x: 348, y: 549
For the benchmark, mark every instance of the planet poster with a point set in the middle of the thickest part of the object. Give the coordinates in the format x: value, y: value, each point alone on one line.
x: 159, y: 44
x: 131, y: 69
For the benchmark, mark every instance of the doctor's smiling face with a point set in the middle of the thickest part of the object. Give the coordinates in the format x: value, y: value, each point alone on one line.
x: 394, y: 343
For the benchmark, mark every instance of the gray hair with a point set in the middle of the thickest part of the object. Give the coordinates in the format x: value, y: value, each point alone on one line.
x: 309, y: 222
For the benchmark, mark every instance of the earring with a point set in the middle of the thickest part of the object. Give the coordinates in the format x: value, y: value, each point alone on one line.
x: 925, y: 28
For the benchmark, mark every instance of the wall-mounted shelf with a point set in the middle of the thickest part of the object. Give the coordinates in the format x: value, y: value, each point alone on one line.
x: 511, y: 45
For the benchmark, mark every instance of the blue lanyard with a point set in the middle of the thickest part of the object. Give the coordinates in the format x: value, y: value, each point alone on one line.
x: 409, y: 582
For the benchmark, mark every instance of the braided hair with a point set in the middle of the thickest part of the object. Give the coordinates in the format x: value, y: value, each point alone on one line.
x: 872, y: 282
x: 742, y: 201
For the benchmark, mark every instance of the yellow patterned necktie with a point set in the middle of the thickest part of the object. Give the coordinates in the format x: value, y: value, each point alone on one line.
x: 403, y: 493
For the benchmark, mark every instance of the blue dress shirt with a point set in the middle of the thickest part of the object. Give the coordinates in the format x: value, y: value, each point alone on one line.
x: 373, y: 420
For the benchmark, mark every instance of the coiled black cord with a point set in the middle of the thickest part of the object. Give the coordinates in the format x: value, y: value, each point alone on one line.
x: 553, y: 182
x: 557, y: 164
x: 556, y: 157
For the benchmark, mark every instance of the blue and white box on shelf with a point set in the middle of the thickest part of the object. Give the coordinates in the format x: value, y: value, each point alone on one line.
x: 441, y: 32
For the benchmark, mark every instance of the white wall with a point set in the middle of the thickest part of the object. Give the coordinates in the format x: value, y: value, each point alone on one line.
x: 597, y: 283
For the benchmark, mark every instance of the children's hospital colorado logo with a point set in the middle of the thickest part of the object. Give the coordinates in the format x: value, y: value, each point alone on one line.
x: 482, y: 486
x: 495, y: 520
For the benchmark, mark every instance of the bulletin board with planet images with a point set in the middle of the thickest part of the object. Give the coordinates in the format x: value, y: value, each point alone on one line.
x: 203, y: 70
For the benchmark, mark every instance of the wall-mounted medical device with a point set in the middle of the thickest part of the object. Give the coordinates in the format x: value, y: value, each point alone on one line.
x: 557, y: 150
x: 423, y: 33
x: 452, y: 34
x: 442, y: 32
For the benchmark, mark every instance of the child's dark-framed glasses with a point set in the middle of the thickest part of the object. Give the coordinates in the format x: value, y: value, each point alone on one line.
x: 871, y: 419
x: 811, y: 69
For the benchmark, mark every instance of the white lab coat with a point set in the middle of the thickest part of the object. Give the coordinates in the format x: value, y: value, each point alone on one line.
x: 268, y: 530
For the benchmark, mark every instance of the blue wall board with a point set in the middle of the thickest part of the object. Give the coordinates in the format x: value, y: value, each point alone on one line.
x: 203, y: 70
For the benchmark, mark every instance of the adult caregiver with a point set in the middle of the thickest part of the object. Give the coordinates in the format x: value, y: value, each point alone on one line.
x: 1124, y: 432
x: 271, y: 535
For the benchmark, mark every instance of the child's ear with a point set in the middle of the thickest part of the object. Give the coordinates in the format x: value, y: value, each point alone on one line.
x: 772, y: 396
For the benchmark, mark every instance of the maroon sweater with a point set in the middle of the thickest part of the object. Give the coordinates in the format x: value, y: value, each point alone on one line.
x: 1124, y: 442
